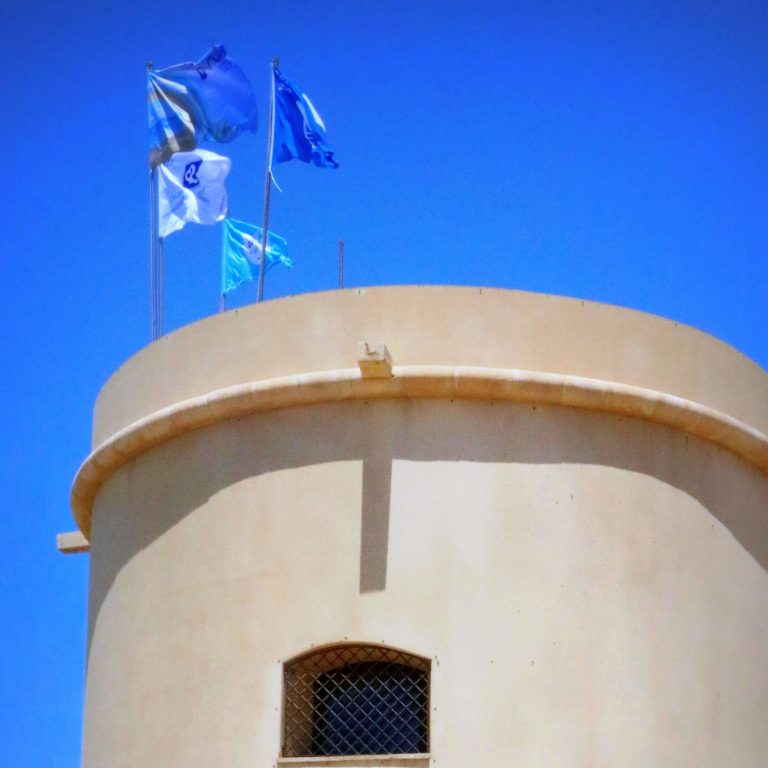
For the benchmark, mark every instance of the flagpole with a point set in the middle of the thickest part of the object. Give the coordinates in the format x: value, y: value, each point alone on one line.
x: 152, y: 259
x: 152, y: 243
x: 160, y: 284
x: 156, y: 260
x: 341, y: 263
x: 267, y: 180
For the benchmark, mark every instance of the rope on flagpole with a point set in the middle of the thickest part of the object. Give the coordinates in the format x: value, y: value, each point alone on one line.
x: 267, y: 181
x: 341, y: 263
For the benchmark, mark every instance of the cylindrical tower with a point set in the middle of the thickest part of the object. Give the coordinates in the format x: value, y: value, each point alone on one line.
x: 535, y: 535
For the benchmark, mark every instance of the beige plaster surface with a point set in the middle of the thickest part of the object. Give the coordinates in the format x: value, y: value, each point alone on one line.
x: 561, y: 504
x: 592, y: 589
x: 435, y: 326
x: 406, y: 382
x: 687, y: 379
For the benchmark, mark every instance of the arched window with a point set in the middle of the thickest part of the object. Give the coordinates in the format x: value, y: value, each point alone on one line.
x: 356, y: 699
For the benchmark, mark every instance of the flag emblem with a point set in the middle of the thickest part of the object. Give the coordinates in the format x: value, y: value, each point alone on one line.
x: 252, y: 250
x: 191, y: 178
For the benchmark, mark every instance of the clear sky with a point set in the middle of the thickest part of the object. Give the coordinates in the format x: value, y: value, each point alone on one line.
x: 615, y: 151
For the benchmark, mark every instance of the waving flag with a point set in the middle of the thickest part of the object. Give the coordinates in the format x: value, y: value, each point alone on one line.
x: 241, y: 253
x: 299, y: 131
x: 191, y: 189
x: 191, y: 102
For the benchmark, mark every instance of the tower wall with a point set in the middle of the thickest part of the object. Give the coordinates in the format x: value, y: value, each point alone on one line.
x: 561, y: 504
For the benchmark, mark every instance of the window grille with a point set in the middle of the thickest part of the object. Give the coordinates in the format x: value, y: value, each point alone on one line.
x: 356, y: 700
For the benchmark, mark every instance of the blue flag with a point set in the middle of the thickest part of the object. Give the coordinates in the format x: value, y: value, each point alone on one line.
x: 191, y: 102
x: 299, y: 130
x: 241, y: 253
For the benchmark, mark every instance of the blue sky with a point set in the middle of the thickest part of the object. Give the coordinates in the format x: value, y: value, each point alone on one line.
x: 611, y: 150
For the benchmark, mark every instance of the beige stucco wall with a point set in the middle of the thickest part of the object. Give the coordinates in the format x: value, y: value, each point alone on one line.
x: 434, y: 325
x: 591, y: 587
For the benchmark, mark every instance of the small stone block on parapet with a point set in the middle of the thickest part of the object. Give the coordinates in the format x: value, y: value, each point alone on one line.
x: 72, y: 543
x: 375, y: 361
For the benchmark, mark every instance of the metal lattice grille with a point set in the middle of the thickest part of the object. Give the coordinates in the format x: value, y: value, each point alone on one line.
x: 356, y: 700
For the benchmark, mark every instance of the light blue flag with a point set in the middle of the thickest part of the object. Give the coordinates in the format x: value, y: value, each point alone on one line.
x: 191, y: 102
x: 299, y: 131
x: 241, y: 253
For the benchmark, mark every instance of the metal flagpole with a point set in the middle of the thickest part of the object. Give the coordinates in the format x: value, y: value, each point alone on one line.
x: 222, y: 294
x: 341, y: 263
x: 156, y: 261
x: 155, y: 277
x: 267, y: 180
x: 160, y: 282
x: 152, y: 241
x: 152, y: 255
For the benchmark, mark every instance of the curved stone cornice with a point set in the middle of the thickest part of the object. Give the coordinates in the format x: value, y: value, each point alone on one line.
x: 413, y: 381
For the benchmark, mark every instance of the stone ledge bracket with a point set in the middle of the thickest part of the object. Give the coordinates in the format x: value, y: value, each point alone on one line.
x: 375, y: 361
x: 72, y: 543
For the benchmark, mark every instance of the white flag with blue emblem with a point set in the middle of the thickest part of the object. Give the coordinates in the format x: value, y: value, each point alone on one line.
x: 191, y: 188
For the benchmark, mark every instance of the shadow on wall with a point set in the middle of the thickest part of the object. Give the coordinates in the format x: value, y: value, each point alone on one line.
x: 380, y: 432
